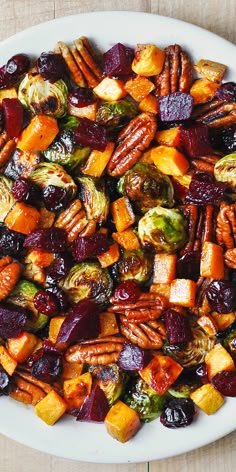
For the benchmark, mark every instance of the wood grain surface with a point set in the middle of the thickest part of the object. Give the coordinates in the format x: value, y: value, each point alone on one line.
x: 218, y: 16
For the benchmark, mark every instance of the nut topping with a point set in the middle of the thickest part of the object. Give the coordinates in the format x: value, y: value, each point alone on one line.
x: 96, y: 351
x: 149, y: 306
x: 230, y: 258
x: 145, y: 335
x: 176, y: 75
x: 200, y: 226
x: 74, y: 221
x: 9, y: 276
x: 132, y: 141
x: 226, y: 226
x: 216, y: 114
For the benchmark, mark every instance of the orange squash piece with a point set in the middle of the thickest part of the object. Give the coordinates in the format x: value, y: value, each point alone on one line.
x: 164, y: 268
x: 139, y: 87
x: 75, y: 391
x: 22, y: 218
x: 217, y: 360
x: 51, y: 408
x: 223, y: 321
x: 90, y: 111
x: 110, y: 89
x: 122, y: 213
x: 21, y: 347
x: 98, y: 160
x: 6, y: 361
x: 169, y: 137
x: 109, y: 257
x: 122, y: 422
x: 39, y: 134
x: 40, y: 258
x: 127, y: 239
x: 54, y: 327
x: 183, y: 292
x: 169, y: 160
x: 161, y: 372
x: 203, y: 90
x: 149, y: 104
x: 212, y: 261
x: 207, y: 398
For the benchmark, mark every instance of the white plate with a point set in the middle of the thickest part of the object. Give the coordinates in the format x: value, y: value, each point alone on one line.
x: 90, y: 442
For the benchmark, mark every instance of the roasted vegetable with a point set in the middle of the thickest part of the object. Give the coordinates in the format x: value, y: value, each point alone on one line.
x: 6, y: 198
x: 96, y: 202
x: 22, y: 163
x: 225, y: 170
x: 23, y: 295
x: 43, y: 96
x: 113, y: 114
x: 146, y: 187
x: 134, y: 265
x: 63, y: 151
x: 47, y: 174
x: 88, y: 280
x: 230, y: 343
x: 162, y: 229
x: 110, y: 380
x: 144, y: 399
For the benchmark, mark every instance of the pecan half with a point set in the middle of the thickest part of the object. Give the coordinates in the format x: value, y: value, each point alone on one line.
x: 132, y: 141
x: 145, y: 335
x: 226, y: 226
x: 201, y: 226
x: 216, y: 113
x: 205, y: 163
x: 7, y: 146
x: 230, y: 258
x: 9, y: 276
x: 28, y: 389
x: 75, y: 73
x: 149, y: 306
x: 96, y: 351
x: 177, y: 73
x: 74, y: 221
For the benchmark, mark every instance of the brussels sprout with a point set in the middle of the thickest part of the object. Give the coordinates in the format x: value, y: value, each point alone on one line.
x: 225, y: 170
x: 21, y: 164
x: 193, y: 352
x: 63, y: 151
x: 113, y: 113
x: 162, y: 229
x: 68, y: 122
x: 147, y: 187
x: 96, y: 202
x: 143, y: 399
x: 47, y: 174
x: 230, y: 343
x: 42, y: 96
x: 88, y: 280
x: 110, y: 380
x: 6, y: 198
x: 23, y: 295
x: 135, y: 265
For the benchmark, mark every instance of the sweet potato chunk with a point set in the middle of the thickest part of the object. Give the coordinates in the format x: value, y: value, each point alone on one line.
x: 169, y: 160
x: 161, y: 372
x: 203, y: 90
x: 212, y: 261
x: 122, y: 422
x: 51, y: 408
x: 127, y: 239
x: 109, y: 257
x: 110, y: 89
x: 122, y: 213
x: 164, y: 268
x: 22, y: 218
x: 39, y: 134
x: 7, y: 361
x: 97, y: 161
x: 77, y: 390
x: 183, y: 292
x: 217, y: 360
x: 21, y: 347
x: 54, y: 327
x: 139, y: 87
x: 207, y: 398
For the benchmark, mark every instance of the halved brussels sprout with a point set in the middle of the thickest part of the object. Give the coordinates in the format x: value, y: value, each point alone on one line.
x: 225, y: 170
x: 147, y: 187
x: 6, y: 198
x: 136, y: 265
x: 63, y: 151
x: 110, y: 380
x: 96, y: 202
x: 23, y: 295
x: 230, y: 342
x: 143, y: 399
x: 22, y: 163
x: 47, y: 174
x: 42, y: 96
x: 113, y: 113
x: 162, y: 229
x: 193, y: 352
x: 88, y: 280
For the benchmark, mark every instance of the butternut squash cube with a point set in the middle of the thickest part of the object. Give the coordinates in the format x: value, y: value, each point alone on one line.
x: 223, y: 321
x: 127, y: 239
x: 76, y: 390
x: 97, y: 161
x: 203, y: 90
x: 7, y: 361
x: 89, y: 112
x: 149, y: 104
x: 108, y: 324
x: 164, y: 268
x: 211, y: 70
x: 169, y: 160
x: 122, y: 422
x: 22, y: 218
x: 169, y: 137
x: 160, y: 373
x: 39, y: 134
x: 21, y: 347
x: 110, y: 256
x: 212, y: 261
x: 51, y: 408
x: 139, y: 87
x: 207, y: 398
x: 122, y: 213
x: 217, y: 360
x: 40, y: 258
x: 110, y: 89
x: 183, y: 292
x: 54, y: 327
x: 148, y: 60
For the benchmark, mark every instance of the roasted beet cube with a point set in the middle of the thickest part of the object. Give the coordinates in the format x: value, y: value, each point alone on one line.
x: 132, y: 357
x: 221, y: 295
x: 89, y: 246
x: 13, y: 115
x: 225, y: 382
x: 95, y: 407
x: 195, y: 140
x: 188, y: 265
x: 203, y: 190
x: 12, y: 320
x: 178, y: 327
x: 175, y: 106
x: 49, y: 239
x: 118, y: 60
x: 90, y: 134
x: 82, y: 322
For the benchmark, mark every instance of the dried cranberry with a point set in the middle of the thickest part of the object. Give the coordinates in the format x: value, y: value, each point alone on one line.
x: 4, y: 382
x: 127, y: 291
x: 51, y: 66
x: 59, y: 268
x: 224, y: 139
x: 89, y: 246
x: 175, y: 106
x: 54, y: 198
x: 45, y: 302
x: 12, y: 320
x: 132, y: 357
x: 227, y: 92
x: 14, y: 68
x: 118, y: 61
x: 188, y: 265
x: 221, y: 295
x: 61, y: 296
x: 201, y: 372
x: 82, y: 322
x: 49, y: 239
x: 225, y: 382
x: 195, y: 139
x: 81, y: 97
x: 178, y: 327
x: 203, y: 190
x: 24, y: 190
x: 11, y: 242
x: 90, y: 134
x: 178, y: 413
x: 95, y: 407
x: 47, y: 368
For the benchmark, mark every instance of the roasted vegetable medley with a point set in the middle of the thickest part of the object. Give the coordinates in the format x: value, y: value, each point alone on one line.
x: 117, y: 235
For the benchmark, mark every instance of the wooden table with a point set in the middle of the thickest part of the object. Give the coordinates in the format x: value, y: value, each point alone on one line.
x: 215, y: 15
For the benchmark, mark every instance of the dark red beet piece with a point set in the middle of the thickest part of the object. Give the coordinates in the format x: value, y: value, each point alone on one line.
x: 48, y: 346
x: 221, y: 295
x: 12, y: 320
x: 195, y: 140
x: 178, y: 413
x: 188, y: 265
x: 49, y: 239
x: 227, y: 92
x: 81, y: 97
x: 118, y: 60
x: 90, y: 134
x: 13, y: 116
x: 132, y: 358
x: 89, y: 246
x: 178, y: 327
x: 59, y: 268
x: 127, y: 291
x: 225, y: 382
x: 54, y: 197
x: 82, y: 322
x: 45, y: 302
x: 25, y: 191
x: 203, y: 190
x: 51, y: 66
x: 95, y: 407
x: 2, y: 123
x: 175, y: 106
x: 47, y: 367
